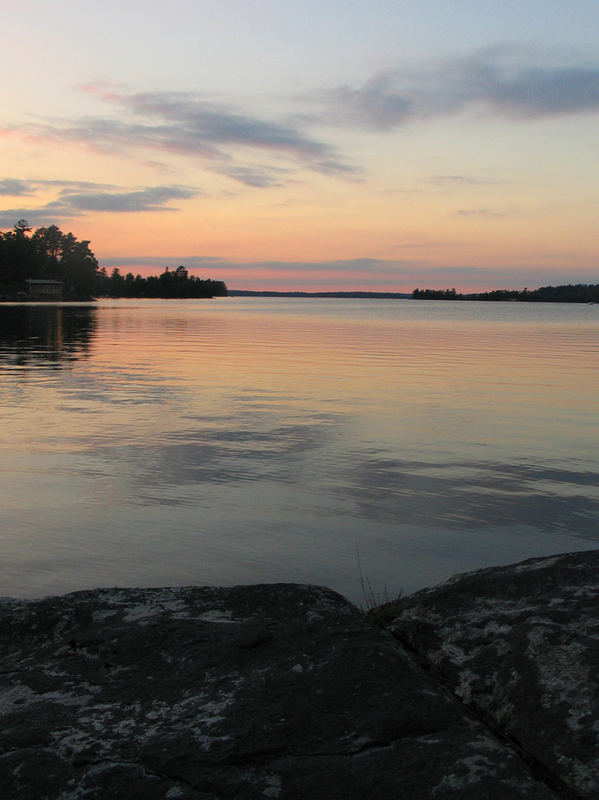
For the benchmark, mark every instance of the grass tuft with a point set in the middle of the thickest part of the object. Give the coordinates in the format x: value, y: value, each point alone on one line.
x: 380, y: 608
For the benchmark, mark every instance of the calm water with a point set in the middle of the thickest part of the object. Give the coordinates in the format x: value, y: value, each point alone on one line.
x: 245, y: 440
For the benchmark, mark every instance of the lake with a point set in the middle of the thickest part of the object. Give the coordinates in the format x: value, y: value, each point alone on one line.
x: 248, y: 440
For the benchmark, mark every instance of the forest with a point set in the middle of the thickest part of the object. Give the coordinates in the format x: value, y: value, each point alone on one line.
x: 170, y: 283
x: 570, y: 293
x: 49, y: 254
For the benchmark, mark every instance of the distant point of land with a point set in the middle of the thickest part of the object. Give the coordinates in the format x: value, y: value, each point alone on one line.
x: 570, y: 293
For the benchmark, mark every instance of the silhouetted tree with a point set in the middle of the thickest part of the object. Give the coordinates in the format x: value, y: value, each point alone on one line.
x: 48, y: 253
x: 577, y: 293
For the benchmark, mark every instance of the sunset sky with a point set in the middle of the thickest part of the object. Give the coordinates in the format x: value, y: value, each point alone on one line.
x: 279, y: 144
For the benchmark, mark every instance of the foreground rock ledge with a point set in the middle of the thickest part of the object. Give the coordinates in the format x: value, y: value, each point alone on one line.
x: 521, y: 644
x: 483, y: 687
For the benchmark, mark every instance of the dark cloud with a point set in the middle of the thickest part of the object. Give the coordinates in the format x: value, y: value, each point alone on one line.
x: 77, y: 198
x: 259, y: 177
x: 15, y: 188
x: 114, y: 136
x: 376, y: 104
x: 196, y: 126
x: 43, y: 215
x: 504, y: 80
x: 150, y: 199
x: 188, y: 124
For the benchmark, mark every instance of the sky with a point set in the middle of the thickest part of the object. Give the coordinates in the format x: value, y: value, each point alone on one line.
x: 287, y: 145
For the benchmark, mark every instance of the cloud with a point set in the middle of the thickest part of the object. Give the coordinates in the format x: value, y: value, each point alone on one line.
x: 196, y: 123
x: 479, y: 212
x: 64, y: 184
x: 186, y: 123
x: 15, y: 188
x: 44, y: 215
x: 504, y: 80
x: 76, y: 198
x: 256, y: 176
x: 371, y: 266
x: 462, y: 180
x: 150, y: 199
x: 367, y: 274
x: 190, y: 262
x: 250, y: 148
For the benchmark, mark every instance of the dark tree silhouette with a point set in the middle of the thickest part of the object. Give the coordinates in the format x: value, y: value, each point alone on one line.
x: 53, y: 255
x: 170, y: 283
x: 48, y: 253
x: 577, y: 293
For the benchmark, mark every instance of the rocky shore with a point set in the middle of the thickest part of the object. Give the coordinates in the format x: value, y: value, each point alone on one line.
x: 484, y: 686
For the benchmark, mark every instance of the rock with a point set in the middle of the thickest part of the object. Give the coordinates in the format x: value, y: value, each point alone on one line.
x: 521, y: 644
x: 277, y: 691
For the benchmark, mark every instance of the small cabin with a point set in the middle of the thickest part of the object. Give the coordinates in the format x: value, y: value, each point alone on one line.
x: 44, y: 289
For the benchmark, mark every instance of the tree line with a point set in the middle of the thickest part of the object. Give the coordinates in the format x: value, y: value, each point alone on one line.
x: 570, y: 293
x: 49, y: 254
x: 171, y: 283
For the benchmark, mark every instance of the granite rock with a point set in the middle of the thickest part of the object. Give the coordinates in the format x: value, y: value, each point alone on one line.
x: 521, y: 645
x: 286, y: 691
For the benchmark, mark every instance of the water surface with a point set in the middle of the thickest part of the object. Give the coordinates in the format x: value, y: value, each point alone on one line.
x: 244, y: 440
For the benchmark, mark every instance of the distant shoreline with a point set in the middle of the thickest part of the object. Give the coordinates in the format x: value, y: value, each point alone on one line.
x: 358, y: 295
x: 580, y: 293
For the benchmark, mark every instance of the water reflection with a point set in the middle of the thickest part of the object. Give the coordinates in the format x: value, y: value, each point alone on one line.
x: 466, y: 495
x: 226, y: 442
x: 45, y: 335
x: 174, y: 469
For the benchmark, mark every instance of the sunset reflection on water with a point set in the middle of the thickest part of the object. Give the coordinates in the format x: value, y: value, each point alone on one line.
x: 247, y: 440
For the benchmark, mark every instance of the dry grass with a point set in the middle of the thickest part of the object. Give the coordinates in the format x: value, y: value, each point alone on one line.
x: 379, y: 608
